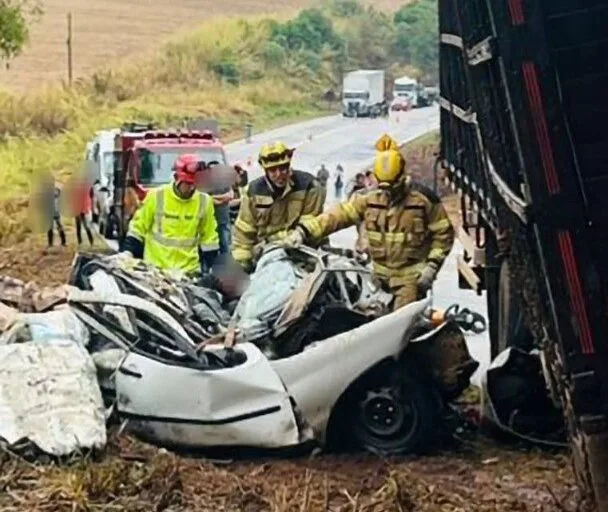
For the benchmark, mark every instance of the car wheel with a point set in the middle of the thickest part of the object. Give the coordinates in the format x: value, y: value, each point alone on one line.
x: 396, y: 415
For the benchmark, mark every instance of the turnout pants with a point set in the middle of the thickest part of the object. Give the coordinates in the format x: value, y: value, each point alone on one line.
x: 402, y: 283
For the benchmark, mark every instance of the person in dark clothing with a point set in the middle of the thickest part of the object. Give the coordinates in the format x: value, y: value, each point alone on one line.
x: 239, y: 188
x: 49, y: 197
x: 56, y: 220
x: 358, y: 185
x: 220, y: 188
x: 339, y: 181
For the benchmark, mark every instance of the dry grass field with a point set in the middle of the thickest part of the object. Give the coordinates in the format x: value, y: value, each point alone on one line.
x: 110, y: 30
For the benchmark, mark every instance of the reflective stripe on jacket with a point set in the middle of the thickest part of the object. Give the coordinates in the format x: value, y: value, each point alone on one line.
x: 413, y: 231
x: 263, y: 217
x: 173, y: 229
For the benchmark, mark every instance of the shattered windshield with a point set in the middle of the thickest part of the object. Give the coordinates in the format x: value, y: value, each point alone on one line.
x: 156, y: 167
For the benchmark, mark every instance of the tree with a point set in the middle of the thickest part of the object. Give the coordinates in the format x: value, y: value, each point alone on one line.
x: 416, y: 38
x: 369, y: 39
x: 310, y: 30
x: 345, y: 8
x: 15, y: 19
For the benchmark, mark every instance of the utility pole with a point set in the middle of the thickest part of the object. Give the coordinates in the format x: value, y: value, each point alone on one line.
x: 69, y: 45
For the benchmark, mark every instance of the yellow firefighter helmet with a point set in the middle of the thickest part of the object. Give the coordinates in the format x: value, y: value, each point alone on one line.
x: 275, y: 154
x: 390, y: 164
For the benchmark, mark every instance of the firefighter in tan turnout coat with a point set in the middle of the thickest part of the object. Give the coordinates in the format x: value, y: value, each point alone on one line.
x: 407, y: 228
x: 274, y: 203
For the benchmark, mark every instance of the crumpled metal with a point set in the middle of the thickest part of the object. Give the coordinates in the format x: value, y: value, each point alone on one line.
x: 29, y: 297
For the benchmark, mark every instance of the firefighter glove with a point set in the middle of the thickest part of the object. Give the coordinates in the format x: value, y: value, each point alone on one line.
x: 295, y: 239
x: 426, y: 278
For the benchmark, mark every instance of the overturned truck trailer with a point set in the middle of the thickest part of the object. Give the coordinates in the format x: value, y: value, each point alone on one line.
x: 523, y: 88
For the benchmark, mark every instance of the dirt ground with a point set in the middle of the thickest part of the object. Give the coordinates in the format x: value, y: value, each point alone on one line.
x: 476, y: 475
x: 138, y: 477
x: 109, y: 30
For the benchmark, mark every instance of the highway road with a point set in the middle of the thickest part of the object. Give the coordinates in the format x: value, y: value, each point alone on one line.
x: 350, y: 142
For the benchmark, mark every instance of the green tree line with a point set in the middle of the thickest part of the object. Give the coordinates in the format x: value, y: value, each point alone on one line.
x: 354, y: 35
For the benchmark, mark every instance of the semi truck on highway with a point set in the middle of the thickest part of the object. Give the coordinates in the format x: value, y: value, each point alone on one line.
x: 363, y: 93
x: 523, y: 141
x: 410, y: 88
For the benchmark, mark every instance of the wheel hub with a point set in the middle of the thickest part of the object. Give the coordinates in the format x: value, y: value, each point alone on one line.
x: 382, y: 414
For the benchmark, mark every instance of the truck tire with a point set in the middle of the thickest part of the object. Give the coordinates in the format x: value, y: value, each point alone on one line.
x: 511, y: 328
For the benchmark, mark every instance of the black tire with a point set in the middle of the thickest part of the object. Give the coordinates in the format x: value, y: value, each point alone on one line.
x: 407, y: 400
x: 511, y: 328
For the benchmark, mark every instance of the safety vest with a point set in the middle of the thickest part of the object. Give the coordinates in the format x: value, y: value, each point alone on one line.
x: 173, y: 229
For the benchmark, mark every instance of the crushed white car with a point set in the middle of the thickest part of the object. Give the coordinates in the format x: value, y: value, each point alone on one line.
x: 310, y: 354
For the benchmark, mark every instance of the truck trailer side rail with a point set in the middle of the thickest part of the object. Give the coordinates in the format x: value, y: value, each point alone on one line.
x: 524, y: 86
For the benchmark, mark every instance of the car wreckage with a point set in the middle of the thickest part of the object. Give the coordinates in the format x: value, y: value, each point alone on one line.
x: 309, y: 352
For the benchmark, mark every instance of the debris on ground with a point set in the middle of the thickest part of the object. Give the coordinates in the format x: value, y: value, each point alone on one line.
x: 50, y: 398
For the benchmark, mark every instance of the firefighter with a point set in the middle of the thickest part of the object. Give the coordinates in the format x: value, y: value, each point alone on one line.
x: 274, y: 203
x: 175, y: 227
x: 407, y: 228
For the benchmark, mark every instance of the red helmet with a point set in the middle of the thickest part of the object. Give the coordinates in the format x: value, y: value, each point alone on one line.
x: 185, y: 168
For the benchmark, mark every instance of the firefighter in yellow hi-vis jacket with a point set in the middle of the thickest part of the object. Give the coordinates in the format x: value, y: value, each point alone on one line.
x: 175, y: 227
x: 408, y: 230
x: 274, y: 203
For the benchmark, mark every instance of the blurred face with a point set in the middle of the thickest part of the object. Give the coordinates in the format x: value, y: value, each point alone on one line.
x: 203, y: 179
x: 279, y: 176
x: 360, y: 180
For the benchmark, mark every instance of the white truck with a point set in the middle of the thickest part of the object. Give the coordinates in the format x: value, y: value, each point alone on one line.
x: 410, y: 88
x: 363, y: 93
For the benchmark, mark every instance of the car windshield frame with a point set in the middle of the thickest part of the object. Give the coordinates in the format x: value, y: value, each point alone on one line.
x: 164, y: 158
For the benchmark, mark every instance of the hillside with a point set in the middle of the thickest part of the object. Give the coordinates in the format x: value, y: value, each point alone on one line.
x: 107, y: 30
